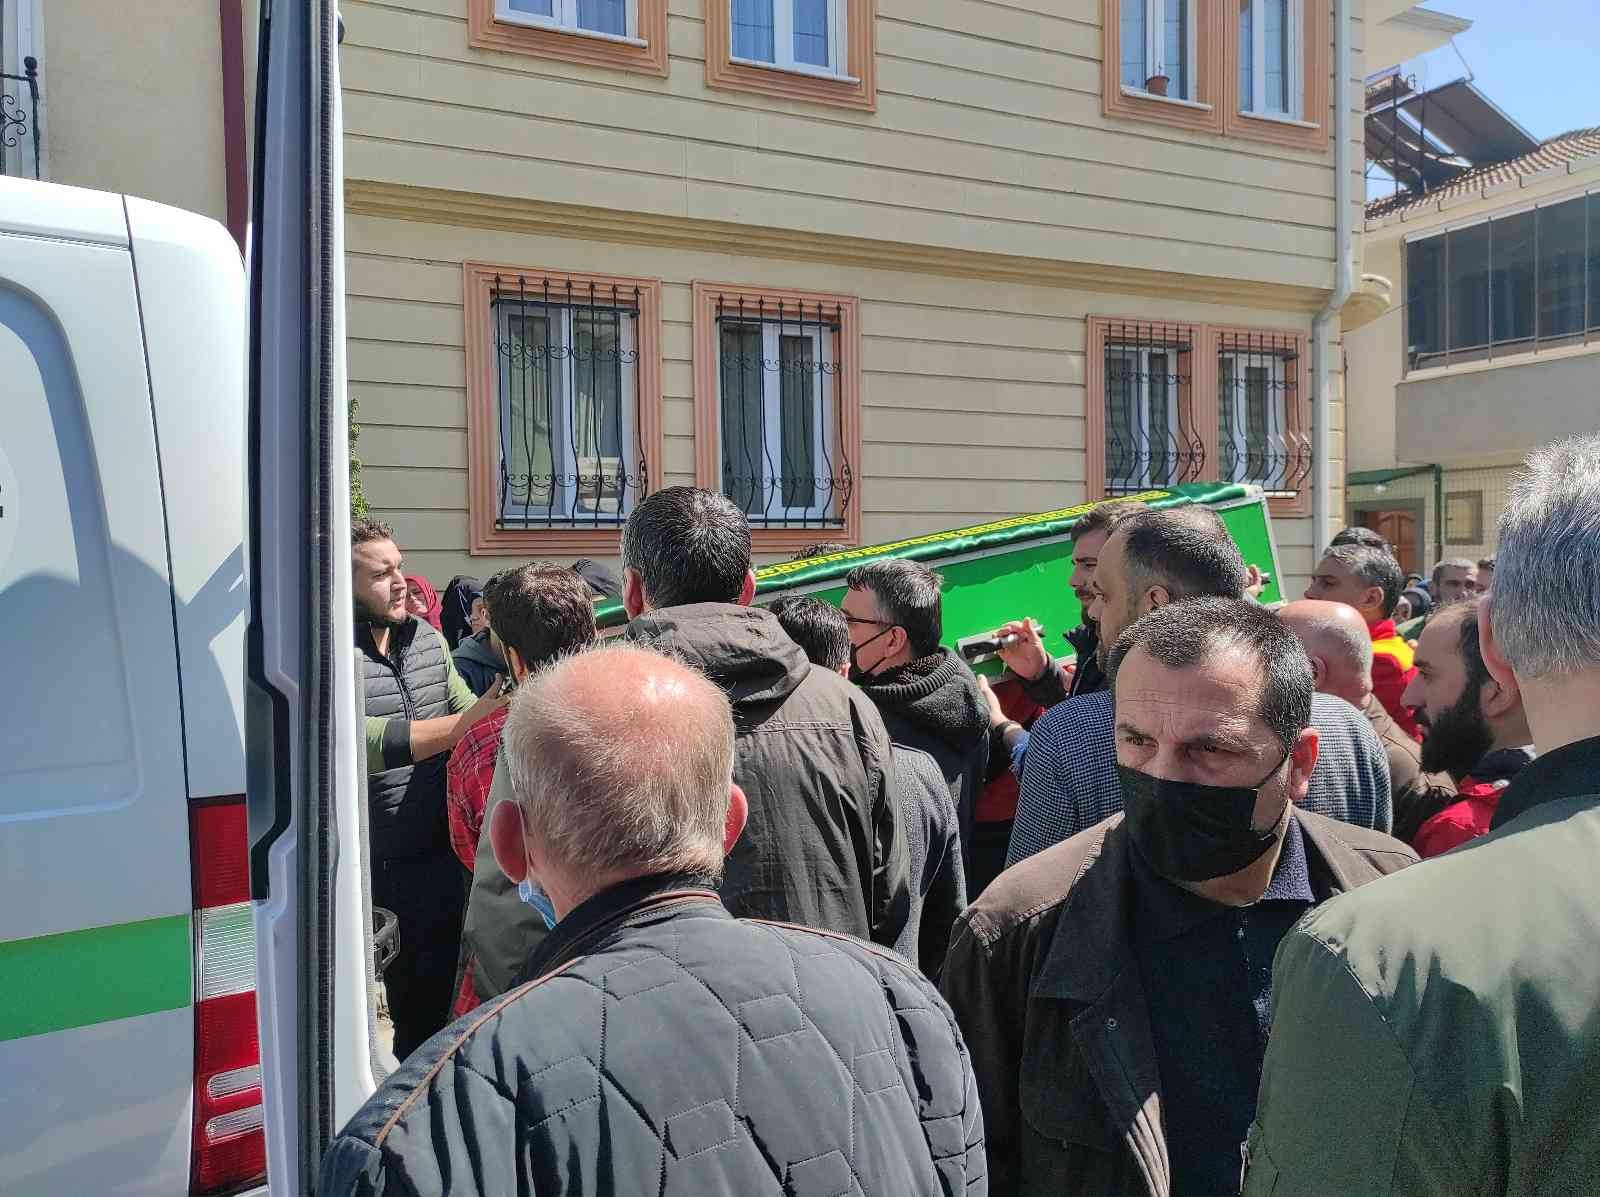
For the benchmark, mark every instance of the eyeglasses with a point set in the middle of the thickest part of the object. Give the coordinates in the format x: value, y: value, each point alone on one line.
x: 881, y: 623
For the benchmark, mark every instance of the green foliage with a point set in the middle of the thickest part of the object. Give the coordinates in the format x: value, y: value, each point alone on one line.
x: 358, y: 500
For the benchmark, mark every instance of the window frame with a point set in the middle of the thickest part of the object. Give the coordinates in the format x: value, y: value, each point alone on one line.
x: 845, y: 420
x: 1201, y: 110
x: 493, y: 26
x: 853, y: 45
x: 1309, y: 128
x: 1448, y: 357
x: 485, y: 536
x: 1199, y: 402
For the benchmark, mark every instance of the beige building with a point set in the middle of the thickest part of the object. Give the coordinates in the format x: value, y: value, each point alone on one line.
x: 150, y: 99
x: 1491, y: 347
x: 872, y: 267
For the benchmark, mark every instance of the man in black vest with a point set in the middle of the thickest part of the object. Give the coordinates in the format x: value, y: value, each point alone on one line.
x: 417, y: 708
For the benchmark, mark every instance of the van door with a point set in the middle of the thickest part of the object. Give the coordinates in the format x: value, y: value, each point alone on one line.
x: 96, y: 1034
x: 306, y: 780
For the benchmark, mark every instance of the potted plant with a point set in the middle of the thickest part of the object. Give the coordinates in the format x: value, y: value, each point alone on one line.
x: 1156, y: 85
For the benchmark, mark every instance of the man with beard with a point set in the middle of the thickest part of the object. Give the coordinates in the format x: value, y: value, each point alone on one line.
x: 927, y: 695
x: 417, y: 708
x: 1473, y: 728
x: 1114, y: 989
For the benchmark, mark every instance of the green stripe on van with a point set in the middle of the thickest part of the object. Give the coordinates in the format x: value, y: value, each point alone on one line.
x: 57, y: 982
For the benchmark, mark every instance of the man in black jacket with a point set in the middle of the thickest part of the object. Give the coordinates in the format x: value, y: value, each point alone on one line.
x: 662, y: 1045
x: 927, y: 695
x: 824, y: 847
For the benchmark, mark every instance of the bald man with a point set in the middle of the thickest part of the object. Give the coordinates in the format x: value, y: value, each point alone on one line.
x: 659, y: 1044
x: 1336, y: 639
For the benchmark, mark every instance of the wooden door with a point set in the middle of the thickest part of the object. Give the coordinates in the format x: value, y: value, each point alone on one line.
x: 1399, y: 528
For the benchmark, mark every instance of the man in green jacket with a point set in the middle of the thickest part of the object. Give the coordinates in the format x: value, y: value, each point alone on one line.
x: 1438, y: 1032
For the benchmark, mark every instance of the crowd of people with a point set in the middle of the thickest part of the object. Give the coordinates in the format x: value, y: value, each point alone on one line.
x: 785, y: 899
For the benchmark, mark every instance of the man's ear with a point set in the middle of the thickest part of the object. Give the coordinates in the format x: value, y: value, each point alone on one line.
x: 1372, y: 599
x: 1493, y: 660
x: 515, y: 663
x: 747, y: 592
x: 1157, y: 597
x: 733, y: 825
x: 633, y: 603
x: 1303, y: 758
x: 1319, y: 672
x: 509, y: 841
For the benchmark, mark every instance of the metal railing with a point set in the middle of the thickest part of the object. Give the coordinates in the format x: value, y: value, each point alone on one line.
x: 1151, y: 438
x: 19, y: 116
x: 1262, y: 438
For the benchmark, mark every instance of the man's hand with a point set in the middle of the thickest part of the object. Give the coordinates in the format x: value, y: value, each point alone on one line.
x: 1025, y: 655
x: 996, y: 715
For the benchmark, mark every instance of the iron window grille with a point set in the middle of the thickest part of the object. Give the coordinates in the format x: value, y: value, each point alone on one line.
x: 19, y: 118
x: 1151, y: 439
x: 1260, y: 437
x: 778, y: 402
x: 566, y: 386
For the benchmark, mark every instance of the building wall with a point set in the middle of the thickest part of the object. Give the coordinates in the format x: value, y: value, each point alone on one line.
x: 1478, y: 391
x: 133, y: 99
x: 987, y: 137
x: 972, y: 390
x: 1490, y: 482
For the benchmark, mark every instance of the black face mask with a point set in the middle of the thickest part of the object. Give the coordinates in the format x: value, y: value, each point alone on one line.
x: 858, y: 674
x: 1187, y: 831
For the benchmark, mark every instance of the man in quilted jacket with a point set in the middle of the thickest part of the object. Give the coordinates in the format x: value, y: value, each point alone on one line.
x: 661, y: 1045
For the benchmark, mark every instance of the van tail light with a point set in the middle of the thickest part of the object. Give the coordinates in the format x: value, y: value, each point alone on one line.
x: 230, y: 1146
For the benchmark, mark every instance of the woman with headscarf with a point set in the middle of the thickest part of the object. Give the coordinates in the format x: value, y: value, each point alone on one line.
x: 422, y: 600
x: 460, y: 596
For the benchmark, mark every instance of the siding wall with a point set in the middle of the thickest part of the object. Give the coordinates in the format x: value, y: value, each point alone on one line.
x: 972, y: 392
x: 987, y: 137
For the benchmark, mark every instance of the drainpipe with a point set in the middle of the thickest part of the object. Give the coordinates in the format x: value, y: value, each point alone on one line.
x: 1343, y: 283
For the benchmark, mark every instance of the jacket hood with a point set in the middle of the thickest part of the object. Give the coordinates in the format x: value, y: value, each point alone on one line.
x: 939, y: 694
x: 743, y: 649
x: 476, y: 648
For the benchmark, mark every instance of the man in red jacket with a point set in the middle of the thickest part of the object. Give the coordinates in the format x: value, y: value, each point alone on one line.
x: 1370, y: 580
x: 1473, y: 727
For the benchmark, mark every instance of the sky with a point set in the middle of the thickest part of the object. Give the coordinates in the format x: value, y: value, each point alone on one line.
x: 1539, y: 60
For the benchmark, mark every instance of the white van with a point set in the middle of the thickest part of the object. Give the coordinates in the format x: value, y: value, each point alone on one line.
x: 128, y: 1042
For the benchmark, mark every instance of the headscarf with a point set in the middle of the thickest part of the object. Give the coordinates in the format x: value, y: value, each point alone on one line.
x: 429, y: 596
x: 458, y: 598
x: 1421, y: 601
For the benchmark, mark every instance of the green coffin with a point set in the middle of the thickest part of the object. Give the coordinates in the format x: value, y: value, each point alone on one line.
x: 1013, y: 568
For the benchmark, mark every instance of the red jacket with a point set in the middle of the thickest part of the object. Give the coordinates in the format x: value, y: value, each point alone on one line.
x: 1460, y: 821
x: 1392, y: 671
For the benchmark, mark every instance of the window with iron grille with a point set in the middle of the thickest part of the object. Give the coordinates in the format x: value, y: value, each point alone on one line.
x: 778, y: 396
x: 1150, y: 434
x: 1260, y: 435
x: 566, y: 361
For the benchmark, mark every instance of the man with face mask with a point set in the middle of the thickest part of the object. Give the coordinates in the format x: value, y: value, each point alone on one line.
x: 1114, y: 989
x: 1069, y: 779
x: 1473, y: 728
x: 417, y: 708
x: 660, y: 1044
x: 927, y: 694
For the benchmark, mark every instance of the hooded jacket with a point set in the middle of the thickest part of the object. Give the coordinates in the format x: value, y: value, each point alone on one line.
x: 823, y: 846
x: 477, y: 664
x: 934, y: 704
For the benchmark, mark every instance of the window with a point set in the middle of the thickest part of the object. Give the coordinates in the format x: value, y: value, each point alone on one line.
x: 1260, y: 435
x: 608, y: 18
x: 1150, y: 422
x: 819, y: 50
x: 563, y: 406
x: 1269, y: 57
x: 1149, y: 432
x: 777, y: 407
x: 795, y: 35
x: 1463, y: 517
x: 1158, y: 47
x: 627, y: 35
x: 1510, y: 284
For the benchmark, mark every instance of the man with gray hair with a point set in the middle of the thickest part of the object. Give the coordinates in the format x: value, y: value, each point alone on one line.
x: 659, y: 1044
x: 1440, y: 1033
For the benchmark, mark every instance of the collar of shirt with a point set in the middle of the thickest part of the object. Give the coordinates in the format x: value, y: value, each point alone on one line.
x: 1165, y: 910
x: 1568, y: 772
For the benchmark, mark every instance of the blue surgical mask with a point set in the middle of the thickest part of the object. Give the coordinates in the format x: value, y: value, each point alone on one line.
x: 531, y: 892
